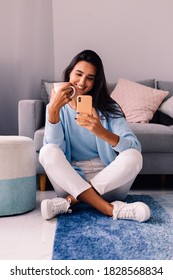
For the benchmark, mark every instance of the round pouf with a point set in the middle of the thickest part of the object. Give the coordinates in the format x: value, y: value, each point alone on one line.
x: 17, y: 175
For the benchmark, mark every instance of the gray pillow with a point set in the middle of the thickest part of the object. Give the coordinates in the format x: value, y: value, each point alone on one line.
x: 165, y: 85
x: 46, y: 87
x: 148, y: 83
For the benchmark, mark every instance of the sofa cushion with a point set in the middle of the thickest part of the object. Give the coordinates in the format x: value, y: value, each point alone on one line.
x: 149, y: 83
x: 138, y: 102
x: 154, y: 137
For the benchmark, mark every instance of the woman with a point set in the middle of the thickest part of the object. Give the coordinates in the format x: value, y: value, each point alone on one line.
x: 96, y: 158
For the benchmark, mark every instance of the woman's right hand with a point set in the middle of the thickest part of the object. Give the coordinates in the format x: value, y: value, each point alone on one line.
x: 58, y: 100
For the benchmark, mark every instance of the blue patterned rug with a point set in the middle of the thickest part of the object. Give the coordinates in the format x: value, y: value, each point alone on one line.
x: 85, y: 234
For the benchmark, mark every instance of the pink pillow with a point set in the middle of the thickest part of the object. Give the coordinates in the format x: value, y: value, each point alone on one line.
x: 138, y: 102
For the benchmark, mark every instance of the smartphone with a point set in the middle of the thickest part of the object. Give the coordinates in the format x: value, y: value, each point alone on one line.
x: 84, y: 104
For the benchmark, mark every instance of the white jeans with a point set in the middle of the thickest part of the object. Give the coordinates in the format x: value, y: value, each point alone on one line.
x: 111, y: 182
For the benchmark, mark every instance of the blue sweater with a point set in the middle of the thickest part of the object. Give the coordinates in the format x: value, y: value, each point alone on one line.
x: 69, y: 136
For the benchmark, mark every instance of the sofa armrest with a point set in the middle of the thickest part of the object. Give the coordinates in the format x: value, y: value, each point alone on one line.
x: 31, y: 116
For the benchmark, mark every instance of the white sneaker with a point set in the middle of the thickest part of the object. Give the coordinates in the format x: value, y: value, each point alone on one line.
x: 52, y: 207
x: 137, y: 211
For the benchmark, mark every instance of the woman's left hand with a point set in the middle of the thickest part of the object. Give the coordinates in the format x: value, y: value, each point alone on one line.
x: 91, y: 123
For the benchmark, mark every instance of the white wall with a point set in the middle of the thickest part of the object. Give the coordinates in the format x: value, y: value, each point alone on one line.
x: 26, y: 55
x: 38, y: 38
x: 133, y: 37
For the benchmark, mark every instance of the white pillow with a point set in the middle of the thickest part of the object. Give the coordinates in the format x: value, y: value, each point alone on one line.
x: 167, y: 107
x: 138, y: 102
x: 49, y: 86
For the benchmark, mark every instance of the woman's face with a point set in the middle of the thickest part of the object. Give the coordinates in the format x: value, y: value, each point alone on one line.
x: 82, y: 77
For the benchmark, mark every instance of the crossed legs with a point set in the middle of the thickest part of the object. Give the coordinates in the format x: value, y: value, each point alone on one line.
x: 113, y: 182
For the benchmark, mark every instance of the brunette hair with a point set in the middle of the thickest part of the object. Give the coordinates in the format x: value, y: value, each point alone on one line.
x: 99, y: 92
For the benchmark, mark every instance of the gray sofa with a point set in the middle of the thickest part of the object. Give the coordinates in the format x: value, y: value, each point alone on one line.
x: 156, y: 137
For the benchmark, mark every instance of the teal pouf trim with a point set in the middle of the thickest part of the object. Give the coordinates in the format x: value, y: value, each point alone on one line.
x: 17, y: 195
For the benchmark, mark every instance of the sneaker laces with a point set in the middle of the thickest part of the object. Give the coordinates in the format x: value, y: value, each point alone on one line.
x: 132, y: 211
x: 61, y: 207
x: 128, y: 213
x: 123, y: 211
x: 116, y: 210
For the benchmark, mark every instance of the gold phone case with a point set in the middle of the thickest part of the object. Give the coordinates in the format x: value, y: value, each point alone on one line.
x: 84, y: 104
